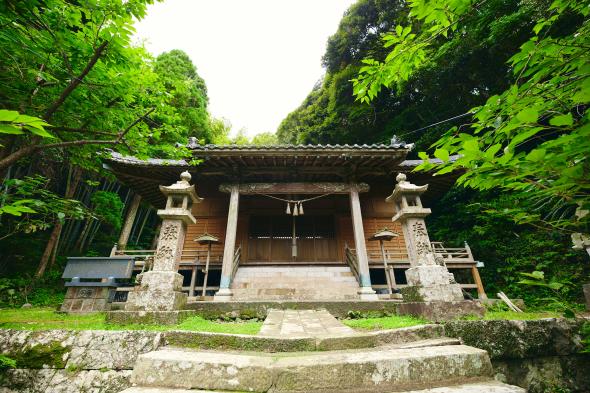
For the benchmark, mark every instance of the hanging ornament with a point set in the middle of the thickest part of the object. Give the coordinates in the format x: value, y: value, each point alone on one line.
x: 300, y: 208
x: 288, y: 208
x: 295, y: 210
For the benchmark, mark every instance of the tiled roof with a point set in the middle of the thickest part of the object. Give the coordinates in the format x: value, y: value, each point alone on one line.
x: 396, y: 145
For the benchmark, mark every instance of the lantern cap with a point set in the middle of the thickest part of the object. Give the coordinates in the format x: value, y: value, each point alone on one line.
x: 404, y: 187
x: 206, y: 238
x: 182, y: 187
x: 384, y: 234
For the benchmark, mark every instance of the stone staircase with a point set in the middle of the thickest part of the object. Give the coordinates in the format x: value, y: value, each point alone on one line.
x: 418, y: 361
x: 294, y: 283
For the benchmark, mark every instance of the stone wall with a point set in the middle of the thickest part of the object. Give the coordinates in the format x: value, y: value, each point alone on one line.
x: 540, y: 355
x: 64, y: 361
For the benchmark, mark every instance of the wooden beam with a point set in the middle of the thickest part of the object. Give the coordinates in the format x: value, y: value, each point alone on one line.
x: 295, y: 188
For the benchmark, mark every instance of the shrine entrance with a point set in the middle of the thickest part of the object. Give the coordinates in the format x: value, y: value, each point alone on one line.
x: 292, y: 239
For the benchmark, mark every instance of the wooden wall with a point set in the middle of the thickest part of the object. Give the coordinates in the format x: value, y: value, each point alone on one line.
x: 211, y: 215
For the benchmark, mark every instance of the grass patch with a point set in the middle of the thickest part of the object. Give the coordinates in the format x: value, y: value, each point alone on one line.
x: 46, y: 318
x: 389, y: 322
x: 519, y: 316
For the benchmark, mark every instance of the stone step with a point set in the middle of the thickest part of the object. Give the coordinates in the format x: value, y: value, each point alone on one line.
x: 294, y: 283
x: 383, y: 369
x: 480, y: 387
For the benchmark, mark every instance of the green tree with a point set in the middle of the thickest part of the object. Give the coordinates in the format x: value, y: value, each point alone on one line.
x: 265, y: 138
x: 188, y: 96
x: 463, y: 73
x: 533, y: 138
x: 72, y: 66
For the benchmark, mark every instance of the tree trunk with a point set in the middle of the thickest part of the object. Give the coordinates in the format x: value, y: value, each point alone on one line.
x: 73, y: 180
x: 80, y: 243
x: 129, y: 219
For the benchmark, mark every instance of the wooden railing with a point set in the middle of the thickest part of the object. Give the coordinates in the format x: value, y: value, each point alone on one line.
x: 191, y: 260
x: 453, y: 257
x: 450, y: 254
x: 352, y: 261
x: 137, y: 254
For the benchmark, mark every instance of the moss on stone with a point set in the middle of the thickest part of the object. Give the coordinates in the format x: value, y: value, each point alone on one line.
x: 411, y: 294
x: 40, y: 355
x: 231, y: 342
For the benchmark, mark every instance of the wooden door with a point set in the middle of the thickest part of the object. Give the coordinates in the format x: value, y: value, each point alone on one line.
x: 270, y: 239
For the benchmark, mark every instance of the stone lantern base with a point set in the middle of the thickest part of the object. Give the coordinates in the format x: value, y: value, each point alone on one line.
x: 158, y: 291
x: 428, y: 283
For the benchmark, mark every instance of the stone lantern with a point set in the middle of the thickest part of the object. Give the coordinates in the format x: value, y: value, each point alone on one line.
x: 160, y: 289
x: 428, y: 279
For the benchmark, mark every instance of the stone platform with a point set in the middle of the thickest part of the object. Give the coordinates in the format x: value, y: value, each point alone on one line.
x: 434, y: 311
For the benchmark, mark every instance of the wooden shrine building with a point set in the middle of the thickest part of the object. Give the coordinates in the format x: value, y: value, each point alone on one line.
x: 304, y: 222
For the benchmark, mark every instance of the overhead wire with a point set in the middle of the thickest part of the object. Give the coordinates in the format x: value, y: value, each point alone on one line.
x: 437, y: 123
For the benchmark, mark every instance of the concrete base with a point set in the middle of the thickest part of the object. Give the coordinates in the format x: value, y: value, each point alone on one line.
x: 432, y: 293
x: 367, y: 293
x: 159, y: 291
x: 86, y: 299
x: 223, y: 295
x: 442, y: 311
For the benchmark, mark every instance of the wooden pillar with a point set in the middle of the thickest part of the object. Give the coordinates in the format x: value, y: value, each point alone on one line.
x: 191, y: 291
x: 129, y: 219
x: 366, y: 292
x: 224, y: 293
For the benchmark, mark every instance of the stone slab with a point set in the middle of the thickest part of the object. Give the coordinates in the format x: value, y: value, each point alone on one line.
x: 260, y: 309
x: 376, y: 370
x: 303, y: 323
x: 442, y: 311
x: 223, y: 341
x: 480, y: 387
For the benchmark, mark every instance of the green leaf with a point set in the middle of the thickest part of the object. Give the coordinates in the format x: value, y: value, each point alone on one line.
x: 537, y: 274
x: 8, y: 115
x: 555, y: 285
x: 471, y: 145
x: 528, y: 115
x: 536, y: 155
x: 9, y: 129
x: 562, y: 120
x: 40, y: 132
x: 442, y: 154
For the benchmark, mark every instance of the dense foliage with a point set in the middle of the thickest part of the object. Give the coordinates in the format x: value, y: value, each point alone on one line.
x: 531, y: 138
x: 72, y: 84
x: 417, y: 68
